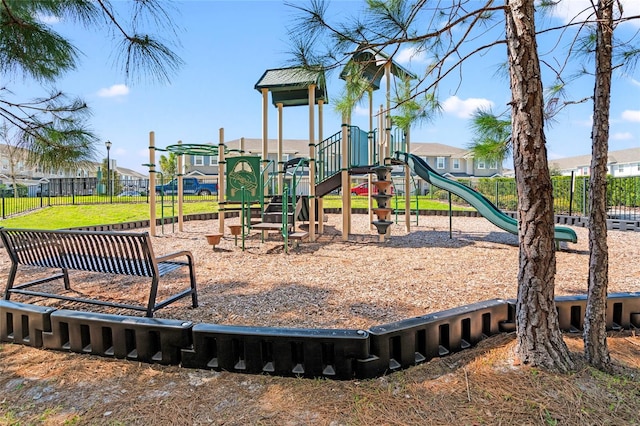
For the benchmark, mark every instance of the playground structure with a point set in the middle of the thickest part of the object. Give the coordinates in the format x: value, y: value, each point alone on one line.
x: 243, y: 183
x: 246, y: 181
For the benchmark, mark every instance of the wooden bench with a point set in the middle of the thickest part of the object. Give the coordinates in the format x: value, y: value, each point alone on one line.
x: 120, y: 253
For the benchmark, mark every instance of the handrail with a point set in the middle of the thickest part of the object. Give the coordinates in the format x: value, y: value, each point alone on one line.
x: 329, y: 151
x: 398, y: 140
x: 268, y: 181
x: 328, y: 156
x: 285, y: 217
x: 245, y: 215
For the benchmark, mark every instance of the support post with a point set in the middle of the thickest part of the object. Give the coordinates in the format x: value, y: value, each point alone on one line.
x: 265, y: 133
x: 346, y: 187
x: 407, y: 182
x: 387, y: 151
x: 312, y: 162
x: 450, y: 217
x: 180, y: 190
x: 312, y: 176
x: 371, y: 160
x: 280, y: 162
x: 222, y: 170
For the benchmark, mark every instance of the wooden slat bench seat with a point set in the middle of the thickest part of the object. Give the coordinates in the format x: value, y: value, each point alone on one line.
x: 121, y: 253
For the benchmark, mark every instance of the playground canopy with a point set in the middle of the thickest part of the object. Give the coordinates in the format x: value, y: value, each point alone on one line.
x: 370, y: 64
x: 290, y: 86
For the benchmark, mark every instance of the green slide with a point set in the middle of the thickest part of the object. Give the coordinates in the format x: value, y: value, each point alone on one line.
x: 477, y: 200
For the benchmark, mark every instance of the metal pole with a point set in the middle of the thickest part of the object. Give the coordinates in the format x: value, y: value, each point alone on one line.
x: 573, y: 179
x: 450, y: 218
x: 108, y: 145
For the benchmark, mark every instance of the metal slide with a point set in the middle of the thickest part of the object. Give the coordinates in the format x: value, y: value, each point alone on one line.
x: 477, y: 200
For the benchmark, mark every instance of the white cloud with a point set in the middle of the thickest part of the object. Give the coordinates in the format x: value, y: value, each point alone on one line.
x: 622, y: 136
x: 635, y: 82
x: 631, y: 115
x: 410, y: 54
x: 114, y: 91
x: 464, y: 108
x: 576, y: 10
x: 360, y: 110
x: 48, y: 19
x: 572, y: 10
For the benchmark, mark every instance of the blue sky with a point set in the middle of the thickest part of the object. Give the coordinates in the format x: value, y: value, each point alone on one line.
x: 227, y: 46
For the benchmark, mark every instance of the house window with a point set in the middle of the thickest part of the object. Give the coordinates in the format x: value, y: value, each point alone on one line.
x: 440, y: 163
x: 621, y: 168
x: 493, y: 165
x: 585, y: 171
x: 456, y: 164
x: 481, y: 164
x: 198, y: 160
x: 213, y: 160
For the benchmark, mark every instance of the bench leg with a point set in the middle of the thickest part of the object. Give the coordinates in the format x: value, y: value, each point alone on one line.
x: 10, y: 280
x: 65, y: 278
x: 152, y: 297
x: 192, y: 282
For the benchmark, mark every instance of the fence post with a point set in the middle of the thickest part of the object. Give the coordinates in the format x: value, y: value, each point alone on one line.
x: 571, y: 189
x: 584, y: 196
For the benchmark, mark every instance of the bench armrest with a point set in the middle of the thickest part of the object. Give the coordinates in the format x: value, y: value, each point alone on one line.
x: 186, y: 253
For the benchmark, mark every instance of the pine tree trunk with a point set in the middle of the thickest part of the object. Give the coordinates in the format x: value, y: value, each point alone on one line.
x: 539, y: 340
x: 595, y: 333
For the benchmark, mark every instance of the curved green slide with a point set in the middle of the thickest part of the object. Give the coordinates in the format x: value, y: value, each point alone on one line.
x: 477, y: 200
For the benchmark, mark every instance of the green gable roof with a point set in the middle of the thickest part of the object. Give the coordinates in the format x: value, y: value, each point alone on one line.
x: 372, y: 66
x: 290, y: 86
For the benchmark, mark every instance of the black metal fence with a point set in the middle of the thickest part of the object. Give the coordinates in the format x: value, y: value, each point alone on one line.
x: 79, y: 191
x: 570, y: 194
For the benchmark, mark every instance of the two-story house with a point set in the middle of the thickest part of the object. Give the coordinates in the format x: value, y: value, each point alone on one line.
x: 621, y: 163
x: 14, y: 166
x: 454, y: 162
x: 207, y: 165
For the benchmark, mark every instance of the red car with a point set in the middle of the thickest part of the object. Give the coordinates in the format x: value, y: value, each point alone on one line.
x: 363, y: 189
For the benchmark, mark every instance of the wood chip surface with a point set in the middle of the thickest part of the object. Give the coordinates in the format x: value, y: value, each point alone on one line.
x: 354, y: 284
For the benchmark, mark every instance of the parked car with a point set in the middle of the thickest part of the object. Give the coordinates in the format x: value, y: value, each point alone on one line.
x: 129, y: 194
x: 363, y: 189
x: 190, y: 186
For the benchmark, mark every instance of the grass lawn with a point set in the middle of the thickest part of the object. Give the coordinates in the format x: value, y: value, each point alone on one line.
x: 60, y: 217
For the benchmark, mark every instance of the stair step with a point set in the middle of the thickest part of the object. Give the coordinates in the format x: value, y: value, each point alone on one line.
x: 274, y: 217
x: 267, y: 226
x: 300, y: 235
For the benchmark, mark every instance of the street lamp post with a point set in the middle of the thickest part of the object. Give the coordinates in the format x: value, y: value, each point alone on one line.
x: 108, y: 145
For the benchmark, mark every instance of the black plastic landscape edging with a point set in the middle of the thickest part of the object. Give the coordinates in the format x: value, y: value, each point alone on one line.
x: 330, y: 353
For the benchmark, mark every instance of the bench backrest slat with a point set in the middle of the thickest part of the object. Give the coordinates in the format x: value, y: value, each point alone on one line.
x: 32, y: 249
x: 94, y: 251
